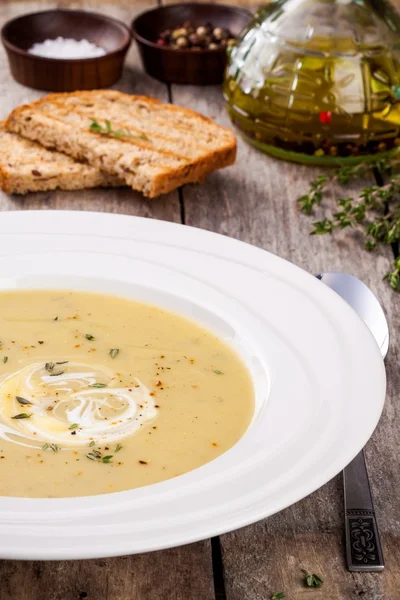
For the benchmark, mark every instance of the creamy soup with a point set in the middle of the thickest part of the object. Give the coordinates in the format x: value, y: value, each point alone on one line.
x: 101, y: 394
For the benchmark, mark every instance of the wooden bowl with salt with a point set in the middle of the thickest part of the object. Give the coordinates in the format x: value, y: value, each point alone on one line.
x: 65, y: 74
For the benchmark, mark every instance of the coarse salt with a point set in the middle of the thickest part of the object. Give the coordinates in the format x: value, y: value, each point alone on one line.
x: 65, y: 48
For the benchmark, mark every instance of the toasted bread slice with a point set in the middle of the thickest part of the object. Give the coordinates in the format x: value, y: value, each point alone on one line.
x: 26, y: 166
x: 153, y: 147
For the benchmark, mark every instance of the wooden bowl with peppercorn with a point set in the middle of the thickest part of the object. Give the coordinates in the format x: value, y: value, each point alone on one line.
x: 187, y: 43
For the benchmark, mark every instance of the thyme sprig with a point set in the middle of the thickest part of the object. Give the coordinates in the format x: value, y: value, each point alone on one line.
x: 375, y: 210
x: 107, y: 129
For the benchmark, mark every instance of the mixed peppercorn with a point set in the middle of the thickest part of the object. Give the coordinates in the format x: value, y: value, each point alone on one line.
x: 189, y: 37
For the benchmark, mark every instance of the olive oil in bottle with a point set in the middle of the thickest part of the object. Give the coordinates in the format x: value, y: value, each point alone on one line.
x: 318, y: 81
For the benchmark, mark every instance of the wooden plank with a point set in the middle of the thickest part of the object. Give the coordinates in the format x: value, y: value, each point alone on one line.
x: 255, y: 201
x: 177, y: 574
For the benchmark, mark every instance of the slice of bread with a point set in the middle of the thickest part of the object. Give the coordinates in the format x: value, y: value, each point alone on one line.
x: 26, y: 166
x: 152, y: 147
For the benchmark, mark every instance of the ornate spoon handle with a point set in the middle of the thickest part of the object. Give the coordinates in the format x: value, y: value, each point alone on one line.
x: 363, y: 545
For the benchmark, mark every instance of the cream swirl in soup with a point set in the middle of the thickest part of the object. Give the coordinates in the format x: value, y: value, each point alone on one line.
x: 64, y: 399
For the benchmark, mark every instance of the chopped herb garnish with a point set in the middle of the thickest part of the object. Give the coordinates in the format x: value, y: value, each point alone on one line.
x: 49, y: 366
x: 98, y: 385
x: 278, y: 596
x: 117, y: 448
x: 62, y: 362
x: 89, y: 337
x: 92, y: 443
x: 73, y: 426
x: 56, y: 373
x: 312, y: 580
x: 21, y: 416
x: 22, y: 401
x: 45, y: 446
x: 106, y: 459
x: 91, y: 456
x: 54, y: 447
x: 5, y: 359
x: 117, y: 133
x: 114, y: 352
x: 218, y: 372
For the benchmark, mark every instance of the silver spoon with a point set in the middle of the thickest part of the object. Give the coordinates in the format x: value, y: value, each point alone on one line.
x: 363, y: 546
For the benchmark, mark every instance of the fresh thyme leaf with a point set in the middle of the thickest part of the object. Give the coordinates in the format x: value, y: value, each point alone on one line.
x: 92, y: 443
x: 91, y: 456
x: 106, y: 459
x: 54, y: 447
x: 49, y: 366
x: 56, y: 373
x: 108, y: 130
x: 218, y: 372
x: 375, y: 210
x: 45, y: 446
x: 89, y: 337
x: 117, y: 448
x: 114, y: 352
x: 278, y: 596
x: 22, y: 416
x: 23, y: 401
x: 73, y: 426
x: 312, y: 580
x: 62, y: 362
x: 5, y: 359
x: 98, y: 385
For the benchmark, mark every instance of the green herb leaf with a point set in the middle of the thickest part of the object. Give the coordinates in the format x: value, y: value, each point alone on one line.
x: 49, y: 366
x: 91, y: 456
x: 89, y: 337
x: 22, y: 416
x: 23, y: 401
x: 98, y: 385
x: 108, y: 130
x: 73, y: 426
x: 114, y: 352
x: 117, y: 448
x: 54, y: 447
x: 5, y: 359
x: 278, y: 596
x: 92, y: 443
x: 62, y: 362
x: 56, y: 373
x: 312, y: 580
x: 106, y: 459
x: 218, y: 372
x: 45, y: 446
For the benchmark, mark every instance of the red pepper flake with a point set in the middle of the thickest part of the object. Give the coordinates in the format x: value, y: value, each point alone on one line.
x: 152, y: 394
x: 77, y: 346
x: 156, y: 406
x: 158, y: 383
x: 325, y: 117
x: 191, y: 361
x: 214, y: 444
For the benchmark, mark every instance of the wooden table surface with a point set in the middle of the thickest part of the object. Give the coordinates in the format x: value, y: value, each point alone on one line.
x: 253, y: 201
